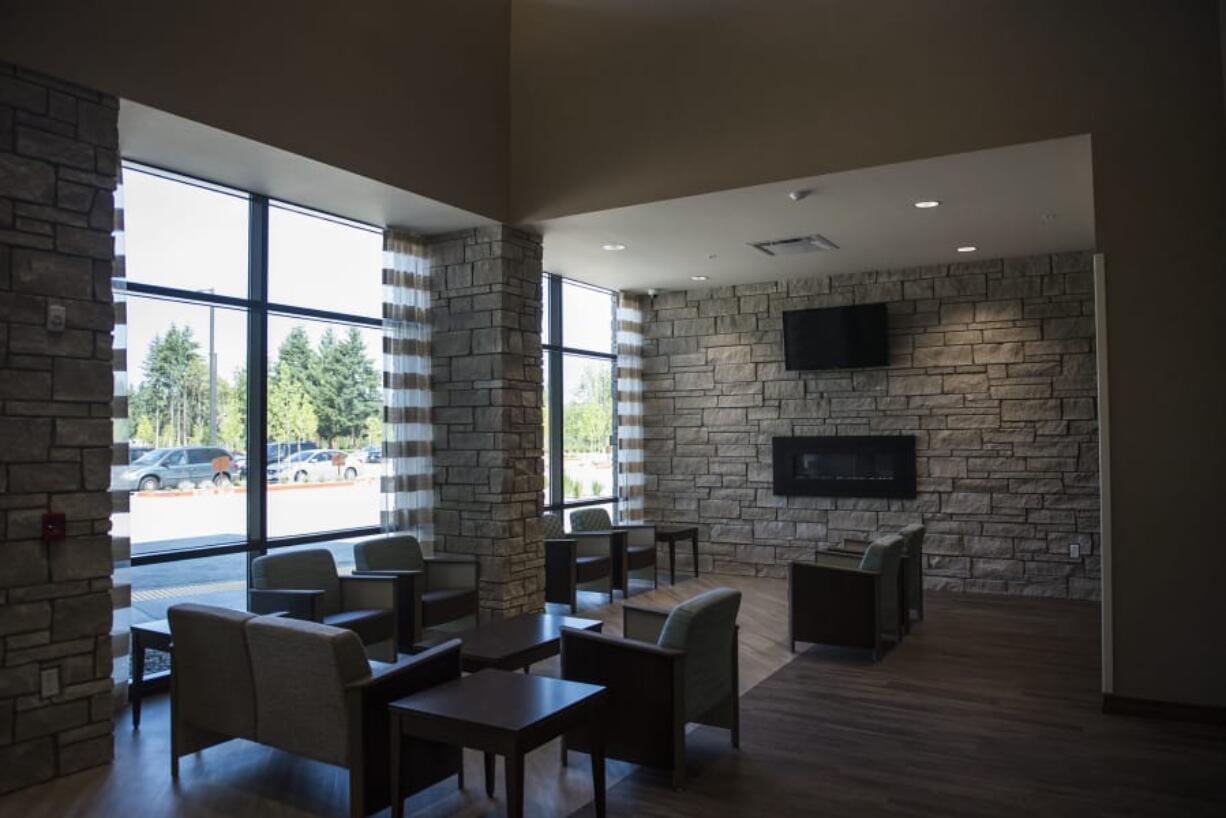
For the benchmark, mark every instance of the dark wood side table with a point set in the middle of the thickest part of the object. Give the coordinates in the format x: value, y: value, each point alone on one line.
x: 670, y: 534
x: 518, y: 641
x: 500, y: 713
x: 145, y: 636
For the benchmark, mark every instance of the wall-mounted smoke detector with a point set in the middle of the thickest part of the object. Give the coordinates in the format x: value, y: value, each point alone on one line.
x: 812, y: 243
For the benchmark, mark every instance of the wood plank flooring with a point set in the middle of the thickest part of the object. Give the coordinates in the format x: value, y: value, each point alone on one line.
x: 240, y: 778
x: 991, y: 707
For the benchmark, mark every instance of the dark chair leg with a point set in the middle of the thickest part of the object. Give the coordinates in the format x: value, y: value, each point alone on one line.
x: 565, y: 752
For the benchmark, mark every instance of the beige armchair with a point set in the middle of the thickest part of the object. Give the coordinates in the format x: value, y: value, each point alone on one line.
x: 305, y: 688
x: 433, y: 590
x: 575, y: 559
x: 634, y: 545
x: 306, y: 585
x: 671, y: 668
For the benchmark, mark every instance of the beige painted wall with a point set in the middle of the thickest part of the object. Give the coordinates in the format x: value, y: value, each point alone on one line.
x: 413, y: 94
x: 622, y: 101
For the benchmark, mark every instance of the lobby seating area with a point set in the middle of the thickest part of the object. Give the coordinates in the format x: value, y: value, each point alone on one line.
x: 522, y: 408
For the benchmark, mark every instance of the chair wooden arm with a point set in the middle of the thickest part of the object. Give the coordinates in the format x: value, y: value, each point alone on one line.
x: 296, y: 604
x: 642, y: 623
x: 834, y: 605
x: 645, y: 715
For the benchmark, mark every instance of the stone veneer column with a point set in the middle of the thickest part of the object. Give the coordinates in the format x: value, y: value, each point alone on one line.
x: 58, y: 160
x: 486, y: 306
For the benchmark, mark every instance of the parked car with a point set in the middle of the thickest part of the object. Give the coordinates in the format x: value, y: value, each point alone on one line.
x: 275, y: 453
x: 317, y: 465
x: 137, y: 452
x: 172, y: 467
x: 374, y: 454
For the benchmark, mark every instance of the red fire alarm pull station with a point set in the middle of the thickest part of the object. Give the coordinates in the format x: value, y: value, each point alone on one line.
x: 55, y: 527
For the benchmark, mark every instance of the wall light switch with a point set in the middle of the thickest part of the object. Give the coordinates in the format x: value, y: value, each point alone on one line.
x: 1074, y: 550
x: 57, y: 317
x: 50, y: 682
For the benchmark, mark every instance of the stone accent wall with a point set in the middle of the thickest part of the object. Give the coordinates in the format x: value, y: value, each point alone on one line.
x: 57, y: 173
x: 487, y: 382
x: 992, y: 368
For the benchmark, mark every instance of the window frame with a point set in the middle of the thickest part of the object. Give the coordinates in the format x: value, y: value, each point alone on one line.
x: 554, y: 353
x: 258, y: 309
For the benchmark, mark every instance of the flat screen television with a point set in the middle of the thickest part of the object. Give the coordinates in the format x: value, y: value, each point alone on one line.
x: 836, y: 337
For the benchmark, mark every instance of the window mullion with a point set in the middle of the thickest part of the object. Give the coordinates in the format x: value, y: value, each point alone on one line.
x: 257, y: 381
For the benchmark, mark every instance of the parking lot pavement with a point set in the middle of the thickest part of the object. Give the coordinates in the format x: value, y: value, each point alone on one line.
x: 162, y: 521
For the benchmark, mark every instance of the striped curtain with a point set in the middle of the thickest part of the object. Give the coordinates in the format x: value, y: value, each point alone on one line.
x: 121, y: 547
x: 408, y: 438
x: 632, y: 483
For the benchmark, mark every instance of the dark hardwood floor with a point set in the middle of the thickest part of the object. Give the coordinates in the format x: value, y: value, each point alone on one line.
x: 990, y: 707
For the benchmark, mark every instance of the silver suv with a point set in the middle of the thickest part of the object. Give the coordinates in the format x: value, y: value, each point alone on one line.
x: 171, y: 468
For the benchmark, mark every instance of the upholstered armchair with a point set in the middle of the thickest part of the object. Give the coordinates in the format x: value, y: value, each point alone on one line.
x: 633, y: 550
x: 433, y: 590
x: 575, y: 559
x: 304, y: 688
x: 853, y: 600
x: 305, y: 585
x: 670, y: 668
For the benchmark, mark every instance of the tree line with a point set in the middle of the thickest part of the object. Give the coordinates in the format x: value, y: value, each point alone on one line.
x: 328, y: 393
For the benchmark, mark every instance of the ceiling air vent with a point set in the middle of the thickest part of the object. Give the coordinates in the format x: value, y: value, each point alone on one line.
x: 812, y: 243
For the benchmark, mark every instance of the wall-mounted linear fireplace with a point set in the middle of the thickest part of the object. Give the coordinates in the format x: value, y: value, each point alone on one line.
x: 845, y: 466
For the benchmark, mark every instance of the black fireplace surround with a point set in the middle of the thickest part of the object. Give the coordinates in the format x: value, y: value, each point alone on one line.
x: 845, y: 466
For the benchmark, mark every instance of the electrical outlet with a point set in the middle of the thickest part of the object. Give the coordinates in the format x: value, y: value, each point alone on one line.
x: 1074, y: 550
x: 50, y: 682
x: 57, y: 317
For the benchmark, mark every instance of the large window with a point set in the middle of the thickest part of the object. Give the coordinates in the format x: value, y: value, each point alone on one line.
x: 580, y: 388
x: 254, y: 371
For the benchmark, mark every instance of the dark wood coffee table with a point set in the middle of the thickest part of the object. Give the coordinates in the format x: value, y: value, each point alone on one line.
x: 670, y: 534
x: 500, y: 713
x: 516, y: 642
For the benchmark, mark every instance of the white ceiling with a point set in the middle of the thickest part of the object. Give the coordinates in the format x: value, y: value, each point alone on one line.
x: 1010, y: 201
x: 167, y: 141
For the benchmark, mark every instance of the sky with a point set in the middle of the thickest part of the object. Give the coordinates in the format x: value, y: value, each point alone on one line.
x: 180, y: 235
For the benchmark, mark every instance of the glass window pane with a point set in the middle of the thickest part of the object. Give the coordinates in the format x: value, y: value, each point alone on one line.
x: 183, y: 235
x: 187, y: 424
x: 587, y: 318
x: 220, y: 580
x: 324, y: 264
x: 587, y: 427
x: 545, y: 309
x: 324, y: 416
x: 545, y: 425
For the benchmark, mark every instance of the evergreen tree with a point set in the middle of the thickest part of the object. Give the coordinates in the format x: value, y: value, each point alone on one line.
x: 291, y: 415
x: 296, y: 351
x: 233, y: 402
x: 174, y: 394
x: 345, y: 387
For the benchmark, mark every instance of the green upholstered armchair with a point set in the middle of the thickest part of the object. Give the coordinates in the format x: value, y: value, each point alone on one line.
x: 670, y: 668
x: 634, y: 545
x: 575, y: 559
x: 433, y: 590
x: 306, y: 585
x: 853, y: 600
x: 304, y: 688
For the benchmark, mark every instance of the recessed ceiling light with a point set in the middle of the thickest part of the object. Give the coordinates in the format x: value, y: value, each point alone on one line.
x: 613, y: 248
x: 968, y: 248
x: 926, y: 204
x: 698, y: 278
